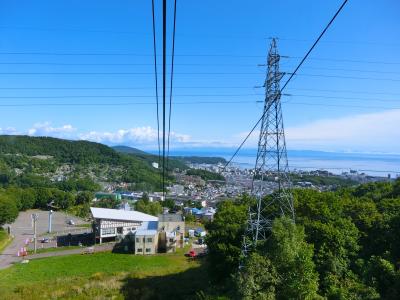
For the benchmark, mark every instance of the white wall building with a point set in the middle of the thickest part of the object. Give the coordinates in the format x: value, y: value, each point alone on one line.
x: 111, y: 223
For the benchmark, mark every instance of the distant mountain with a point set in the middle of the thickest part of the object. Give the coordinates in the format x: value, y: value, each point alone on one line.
x: 173, y: 163
x: 129, y: 150
x: 186, y: 159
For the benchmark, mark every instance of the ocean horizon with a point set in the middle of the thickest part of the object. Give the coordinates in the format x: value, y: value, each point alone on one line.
x: 376, y: 164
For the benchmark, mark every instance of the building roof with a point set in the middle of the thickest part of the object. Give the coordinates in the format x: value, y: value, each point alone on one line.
x: 120, y: 215
x: 141, y: 232
x: 196, y: 211
x: 170, y: 218
x: 152, y: 225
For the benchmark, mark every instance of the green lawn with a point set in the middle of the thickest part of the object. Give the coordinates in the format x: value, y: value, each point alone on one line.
x: 104, y: 276
x: 53, y: 249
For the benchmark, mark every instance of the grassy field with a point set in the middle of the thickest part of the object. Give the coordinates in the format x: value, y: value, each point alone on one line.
x: 105, y: 276
x: 52, y: 249
x: 4, y: 240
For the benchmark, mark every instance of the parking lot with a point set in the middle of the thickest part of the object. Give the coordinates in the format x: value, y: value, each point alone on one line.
x: 22, y: 230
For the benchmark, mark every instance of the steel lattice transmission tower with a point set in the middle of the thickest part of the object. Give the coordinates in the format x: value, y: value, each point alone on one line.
x: 271, y: 162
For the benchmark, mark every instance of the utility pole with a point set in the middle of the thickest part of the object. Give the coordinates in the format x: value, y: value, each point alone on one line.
x: 50, y: 220
x: 271, y: 163
x: 34, y: 220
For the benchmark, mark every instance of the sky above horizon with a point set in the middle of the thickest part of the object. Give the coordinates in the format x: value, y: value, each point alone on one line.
x: 84, y: 70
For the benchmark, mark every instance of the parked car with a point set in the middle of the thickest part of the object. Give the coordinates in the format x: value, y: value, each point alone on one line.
x: 45, y: 240
x: 70, y: 222
x: 191, y: 254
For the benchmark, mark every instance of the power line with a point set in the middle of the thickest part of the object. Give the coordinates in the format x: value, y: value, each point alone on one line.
x: 171, y: 83
x: 189, y: 103
x: 156, y: 81
x: 194, y: 73
x: 208, y: 35
x: 122, y: 88
x: 349, y: 60
x: 346, y: 98
x: 164, y: 86
x: 121, y: 96
x: 290, y: 78
x: 347, y: 77
x: 198, y: 87
x: 348, y: 70
x: 187, y: 64
x: 198, y: 95
x: 190, y: 55
x: 338, y: 105
x: 344, y: 91
x: 118, y: 64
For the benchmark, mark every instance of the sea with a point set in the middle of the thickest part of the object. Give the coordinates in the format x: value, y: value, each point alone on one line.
x: 374, y: 164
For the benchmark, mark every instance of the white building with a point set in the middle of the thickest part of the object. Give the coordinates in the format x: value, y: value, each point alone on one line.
x: 113, y: 223
x: 145, y: 233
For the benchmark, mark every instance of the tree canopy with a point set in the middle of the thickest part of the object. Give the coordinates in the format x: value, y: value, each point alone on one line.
x: 344, y: 245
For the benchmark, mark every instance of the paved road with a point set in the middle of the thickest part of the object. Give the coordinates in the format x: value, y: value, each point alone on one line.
x: 23, y: 231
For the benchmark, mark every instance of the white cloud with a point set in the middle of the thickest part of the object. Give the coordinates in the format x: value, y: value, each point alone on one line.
x: 373, y: 132
x: 8, y: 131
x: 133, y: 136
x: 45, y: 129
x: 364, y: 132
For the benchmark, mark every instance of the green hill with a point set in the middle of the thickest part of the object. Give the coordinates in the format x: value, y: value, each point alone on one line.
x: 129, y: 150
x: 64, y: 151
x: 184, y: 160
x: 32, y: 161
x: 173, y: 163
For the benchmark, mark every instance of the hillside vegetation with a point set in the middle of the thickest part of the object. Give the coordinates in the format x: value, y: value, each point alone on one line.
x: 344, y: 245
x: 39, y: 171
x: 39, y: 161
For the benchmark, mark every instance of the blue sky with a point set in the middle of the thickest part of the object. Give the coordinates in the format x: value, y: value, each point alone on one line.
x: 344, y: 98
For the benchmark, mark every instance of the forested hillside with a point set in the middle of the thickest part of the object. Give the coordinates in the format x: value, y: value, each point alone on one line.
x: 171, y: 163
x: 38, y: 171
x: 40, y: 161
x: 344, y: 245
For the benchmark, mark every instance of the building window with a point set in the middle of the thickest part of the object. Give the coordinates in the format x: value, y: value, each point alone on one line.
x: 171, y: 240
x: 120, y: 230
x: 148, y: 250
x: 137, y: 240
x: 107, y: 231
x: 149, y: 240
x: 139, y: 250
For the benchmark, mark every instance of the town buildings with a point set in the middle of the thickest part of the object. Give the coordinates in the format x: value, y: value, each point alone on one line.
x: 144, y: 233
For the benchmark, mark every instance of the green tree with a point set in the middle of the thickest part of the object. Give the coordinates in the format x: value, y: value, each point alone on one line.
x: 110, y: 202
x: 8, y: 210
x: 258, y: 279
x: 225, y: 236
x: 169, y: 203
x: 147, y: 207
x: 381, y: 274
x: 293, y: 260
x: 84, y: 197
